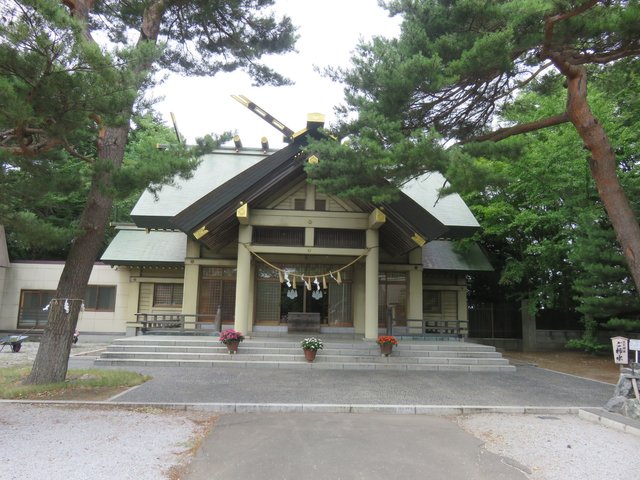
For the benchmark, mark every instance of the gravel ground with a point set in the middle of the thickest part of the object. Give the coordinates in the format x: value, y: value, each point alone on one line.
x: 27, y: 353
x: 68, y: 443
x: 557, y: 447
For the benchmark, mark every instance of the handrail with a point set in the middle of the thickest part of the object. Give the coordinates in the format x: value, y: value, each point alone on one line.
x: 173, y: 322
x: 439, y: 327
x: 181, y: 322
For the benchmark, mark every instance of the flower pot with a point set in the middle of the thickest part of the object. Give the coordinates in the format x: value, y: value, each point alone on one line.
x: 386, y: 348
x: 310, y: 355
x: 232, y: 347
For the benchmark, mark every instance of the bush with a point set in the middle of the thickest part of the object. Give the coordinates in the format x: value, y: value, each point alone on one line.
x: 589, y: 345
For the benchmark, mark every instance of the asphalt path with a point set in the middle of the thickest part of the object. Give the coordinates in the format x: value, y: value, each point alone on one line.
x: 528, y: 386
x: 335, y: 446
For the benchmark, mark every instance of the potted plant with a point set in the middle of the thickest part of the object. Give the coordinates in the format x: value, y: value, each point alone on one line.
x: 386, y: 343
x: 231, y: 338
x: 311, y: 346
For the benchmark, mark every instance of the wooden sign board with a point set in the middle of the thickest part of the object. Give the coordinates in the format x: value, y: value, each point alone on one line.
x: 620, y: 350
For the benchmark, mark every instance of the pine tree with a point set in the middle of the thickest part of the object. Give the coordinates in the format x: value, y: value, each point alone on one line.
x: 60, y: 89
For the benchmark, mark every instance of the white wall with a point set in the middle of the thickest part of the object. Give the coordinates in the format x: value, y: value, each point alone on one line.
x: 44, y: 276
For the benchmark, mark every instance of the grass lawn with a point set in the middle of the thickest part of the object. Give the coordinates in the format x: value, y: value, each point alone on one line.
x: 90, y: 384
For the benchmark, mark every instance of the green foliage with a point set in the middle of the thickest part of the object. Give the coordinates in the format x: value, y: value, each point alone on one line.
x: 12, y: 386
x: 456, y: 65
x: 623, y: 324
x: 40, y: 201
x: 589, y: 342
x: 588, y: 345
x: 369, y: 166
x: 461, y: 67
x: 312, y: 343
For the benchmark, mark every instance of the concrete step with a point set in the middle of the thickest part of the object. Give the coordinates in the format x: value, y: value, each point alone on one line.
x: 342, y: 354
x: 299, y: 356
x: 360, y: 345
x: 372, y: 351
x: 238, y: 362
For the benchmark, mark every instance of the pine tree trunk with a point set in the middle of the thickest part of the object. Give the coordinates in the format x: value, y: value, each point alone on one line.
x: 52, y: 360
x: 603, y: 166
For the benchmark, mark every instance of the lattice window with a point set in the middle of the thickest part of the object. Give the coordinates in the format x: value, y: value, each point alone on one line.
x: 392, y: 298
x: 217, y: 289
x: 432, y: 301
x: 340, y: 305
x: 337, y: 238
x: 268, y: 305
x: 278, y: 236
x: 167, y: 295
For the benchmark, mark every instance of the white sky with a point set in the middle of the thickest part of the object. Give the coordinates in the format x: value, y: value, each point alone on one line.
x: 328, y: 33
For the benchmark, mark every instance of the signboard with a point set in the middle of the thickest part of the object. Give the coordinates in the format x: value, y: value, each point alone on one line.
x: 634, y: 344
x: 620, y: 349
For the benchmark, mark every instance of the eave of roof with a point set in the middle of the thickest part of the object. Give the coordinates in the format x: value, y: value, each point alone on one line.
x: 225, y: 199
x: 138, y: 247
x: 442, y: 255
x: 157, y: 211
x: 450, y: 209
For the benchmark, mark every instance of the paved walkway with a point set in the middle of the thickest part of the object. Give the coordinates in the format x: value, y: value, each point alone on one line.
x: 320, y: 443
x: 528, y: 386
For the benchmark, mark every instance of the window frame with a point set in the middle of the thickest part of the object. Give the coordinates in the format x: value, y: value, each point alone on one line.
x: 173, y: 286
x: 96, y: 307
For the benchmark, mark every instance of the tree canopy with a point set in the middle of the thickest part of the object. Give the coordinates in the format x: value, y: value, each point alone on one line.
x: 72, y: 75
x: 414, y: 103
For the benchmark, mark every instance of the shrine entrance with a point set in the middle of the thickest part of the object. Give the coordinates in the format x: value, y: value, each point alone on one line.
x: 330, y: 300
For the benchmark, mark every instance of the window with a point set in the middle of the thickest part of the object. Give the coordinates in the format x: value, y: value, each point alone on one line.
x: 278, y: 236
x: 392, y: 299
x: 100, y: 298
x: 431, y: 301
x: 32, y: 303
x: 337, y: 238
x: 300, y: 204
x: 167, y: 295
x: 217, y: 290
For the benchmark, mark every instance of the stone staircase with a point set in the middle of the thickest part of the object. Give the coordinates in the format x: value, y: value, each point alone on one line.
x: 338, y: 354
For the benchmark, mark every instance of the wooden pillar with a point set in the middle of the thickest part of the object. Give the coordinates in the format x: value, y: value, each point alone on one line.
x: 190, y: 286
x: 243, y: 280
x: 414, y: 310
x: 371, y: 285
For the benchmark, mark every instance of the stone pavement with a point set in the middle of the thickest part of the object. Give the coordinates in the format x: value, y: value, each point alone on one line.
x: 528, y: 386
